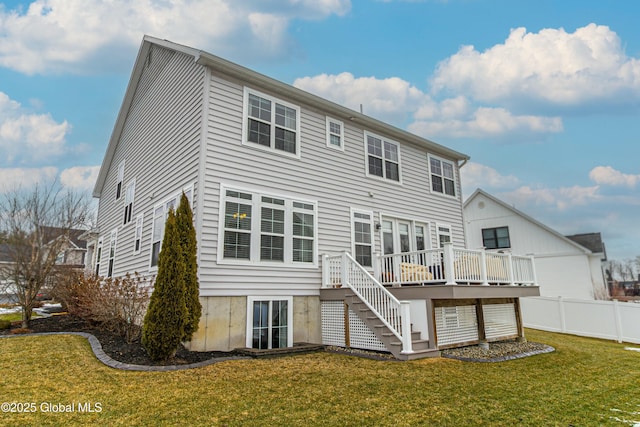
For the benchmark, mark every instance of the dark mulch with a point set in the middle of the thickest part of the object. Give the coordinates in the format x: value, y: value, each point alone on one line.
x: 115, y: 345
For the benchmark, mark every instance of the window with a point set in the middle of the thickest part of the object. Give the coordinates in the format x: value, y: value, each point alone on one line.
x: 128, y: 201
x: 268, y: 323
x: 271, y: 123
x: 496, y: 238
x: 98, y: 256
x: 362, y: 237
x: 272, y: 230
x: 401, y: 235
x: 137, y: 239
x: 120, y: 179
x: 112, y: 251
x: 160, y: 214
x: 383, y: 158
x: 442, y: 176
x: 303, y: 232
x: 444, y: 234
x: 335, y: 134
x: 267, y: 229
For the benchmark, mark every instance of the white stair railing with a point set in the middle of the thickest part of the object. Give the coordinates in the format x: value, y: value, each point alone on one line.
x: 394, y: 314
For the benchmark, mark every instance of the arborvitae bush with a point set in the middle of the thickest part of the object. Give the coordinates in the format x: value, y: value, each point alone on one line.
x: 184, y: 219
x: 164, y: 323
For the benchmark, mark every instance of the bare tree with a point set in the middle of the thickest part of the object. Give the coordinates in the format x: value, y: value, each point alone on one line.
x: 36, y: 224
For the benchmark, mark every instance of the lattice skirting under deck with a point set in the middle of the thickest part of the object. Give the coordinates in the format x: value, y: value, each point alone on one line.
x: 356, y: 334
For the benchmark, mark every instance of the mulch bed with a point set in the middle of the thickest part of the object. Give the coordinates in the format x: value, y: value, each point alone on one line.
x: 134, y: 353
x: 114, y: 345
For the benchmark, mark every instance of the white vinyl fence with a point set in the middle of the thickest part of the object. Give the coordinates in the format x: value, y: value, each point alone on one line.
x: 612, y: 320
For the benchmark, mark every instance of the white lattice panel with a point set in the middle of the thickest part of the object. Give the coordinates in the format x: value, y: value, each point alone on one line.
x: 361, y: 336
x: 499, y: 320
x: 333, y: 323
x: 456, y: 324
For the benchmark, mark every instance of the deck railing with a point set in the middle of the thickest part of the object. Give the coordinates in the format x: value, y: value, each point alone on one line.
x: 453, y: 266
x: 344, y: 271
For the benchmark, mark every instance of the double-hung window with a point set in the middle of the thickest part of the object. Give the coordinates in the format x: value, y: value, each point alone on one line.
x: 383, y: 157
x: 335, y: 134
x: 112, y: 252
x: 137, y: 238
x: 160, y: 214
x: 362, y: 237
x: 271, y: 123
x: 120, y: 179
x: 128, y: 201
x: 496, y: 238
x: 442, y: 176
x: 261, y: 228
x: 98, y: 256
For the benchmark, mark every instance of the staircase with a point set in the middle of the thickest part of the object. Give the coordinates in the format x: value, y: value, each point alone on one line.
x: 421, y: 348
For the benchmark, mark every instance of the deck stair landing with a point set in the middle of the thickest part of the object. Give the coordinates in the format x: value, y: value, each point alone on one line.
x: 421, y: 348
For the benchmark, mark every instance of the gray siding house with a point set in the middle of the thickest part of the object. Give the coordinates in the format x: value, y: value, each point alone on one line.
x: 293, y: 197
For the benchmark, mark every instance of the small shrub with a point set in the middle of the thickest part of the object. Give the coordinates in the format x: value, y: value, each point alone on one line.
x: 4, y: 324
x: 116, y: 304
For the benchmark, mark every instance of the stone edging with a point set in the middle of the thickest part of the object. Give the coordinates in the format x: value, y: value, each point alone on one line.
x: 107, y: 360
x: 546, y: 349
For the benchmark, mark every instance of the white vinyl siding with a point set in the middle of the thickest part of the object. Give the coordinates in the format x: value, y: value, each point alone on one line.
x: 159, y: 141
x: 333, y: 180
x: 271, y: 124
x: 267, y: 229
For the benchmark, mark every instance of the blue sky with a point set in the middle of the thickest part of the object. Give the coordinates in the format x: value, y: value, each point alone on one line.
x: 543, y: 95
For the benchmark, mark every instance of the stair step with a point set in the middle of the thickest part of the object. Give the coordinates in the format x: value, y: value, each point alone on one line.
x: 419, y: 354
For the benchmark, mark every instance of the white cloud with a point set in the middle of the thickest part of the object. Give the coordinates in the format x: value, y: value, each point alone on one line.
x: 475, y: 175
x: 551, y: 66
x: 73, y: 36
x: 80, y: 177
x: 26, y: 137
x: 485, y: 122
x: 606, y: 175
x: 389, y: 99
x: 562, y: 198
x: 11, y: 178
x: 395, y: 100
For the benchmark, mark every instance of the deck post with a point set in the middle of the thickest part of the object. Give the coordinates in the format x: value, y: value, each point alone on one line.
x: 483, y: 268
x: 405, y: 318
x: 533, y: 271
x: 377, y: 270
x: 344, y: 273
x: 448, y: 259
x: 326, y: 280
x: 510, y: 269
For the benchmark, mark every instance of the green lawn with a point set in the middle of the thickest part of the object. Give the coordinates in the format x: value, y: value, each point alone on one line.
x: 14, y: 317
x: 586, y: 382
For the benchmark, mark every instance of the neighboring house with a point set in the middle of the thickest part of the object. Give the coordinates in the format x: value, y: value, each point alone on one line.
x: 568, y: 266
x: 283, y: 185
x: 71, y: 254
